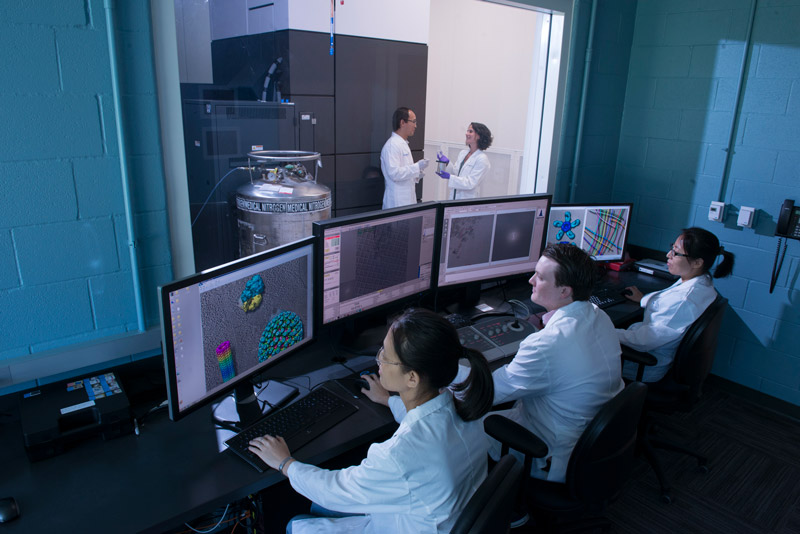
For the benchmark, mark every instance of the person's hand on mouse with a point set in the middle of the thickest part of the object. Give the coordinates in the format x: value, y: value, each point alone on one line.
x: 376, y: 392
x: 633, y: 293
x: 272, y: 450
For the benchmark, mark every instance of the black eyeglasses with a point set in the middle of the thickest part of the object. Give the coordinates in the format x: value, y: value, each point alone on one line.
x: 675, y: 252
x: 412, y: 120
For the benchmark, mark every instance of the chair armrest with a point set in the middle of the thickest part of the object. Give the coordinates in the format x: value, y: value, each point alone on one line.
x: 515, y: 436
x: 641, y: 358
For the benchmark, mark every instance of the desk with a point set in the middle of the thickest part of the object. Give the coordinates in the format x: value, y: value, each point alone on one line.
x: 621, y: 314
x: 172, y: 472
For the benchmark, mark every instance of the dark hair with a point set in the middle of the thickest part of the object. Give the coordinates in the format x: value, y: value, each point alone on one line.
x: 427, y: 343
x: 484, y: 135
x: 576, y: 269
x: 400, y: 114
x: 701, y: 244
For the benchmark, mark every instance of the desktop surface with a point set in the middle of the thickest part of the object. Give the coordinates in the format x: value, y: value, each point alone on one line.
x: 171, y: 473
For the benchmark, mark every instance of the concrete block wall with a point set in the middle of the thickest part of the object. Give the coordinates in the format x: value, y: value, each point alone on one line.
x: 65, y: 267
x: 680, y: 104
x: 608, y: 77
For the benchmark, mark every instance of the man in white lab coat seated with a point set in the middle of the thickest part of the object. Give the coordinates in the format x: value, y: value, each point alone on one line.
x: 562, y: 374
x: 400, y: 173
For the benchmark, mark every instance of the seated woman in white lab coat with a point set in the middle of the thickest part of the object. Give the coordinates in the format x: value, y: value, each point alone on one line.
x: 421, y: 478
x: 668, y: 313
x: 471, y: 166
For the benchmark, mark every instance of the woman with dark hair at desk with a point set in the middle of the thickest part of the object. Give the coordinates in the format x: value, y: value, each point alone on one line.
x: 421, y: 478
x: 668, y: 313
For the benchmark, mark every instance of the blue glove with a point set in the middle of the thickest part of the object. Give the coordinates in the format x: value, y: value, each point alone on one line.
x: 441, y: 157
x: 444, y: 174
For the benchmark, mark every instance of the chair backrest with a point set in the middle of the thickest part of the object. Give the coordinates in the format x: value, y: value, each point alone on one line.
x: 695, y: 354
x: 489, y: 509
x: 603, y: 458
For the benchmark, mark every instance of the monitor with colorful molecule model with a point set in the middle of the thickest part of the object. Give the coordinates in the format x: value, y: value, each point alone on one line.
x: 599, y: 229
x: 223, y: 326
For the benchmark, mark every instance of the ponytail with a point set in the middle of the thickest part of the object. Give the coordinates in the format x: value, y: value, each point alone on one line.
x: 699, y: 243
x: 427, y: 343
x: 478, y: 387
x: 725, y: 267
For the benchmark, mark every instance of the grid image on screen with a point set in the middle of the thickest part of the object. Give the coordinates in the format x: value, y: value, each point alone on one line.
x: 600, y: 230
x: 375, y: 261
x: 490, y: 238
x: 225, y: 328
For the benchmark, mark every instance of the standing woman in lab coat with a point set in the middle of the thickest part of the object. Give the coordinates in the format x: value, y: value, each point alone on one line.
x: 471, y: 166
x: 668, y: 313
x: 420, y: 479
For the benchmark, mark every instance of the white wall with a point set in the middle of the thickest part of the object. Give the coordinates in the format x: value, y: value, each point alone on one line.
x: 480, y: 57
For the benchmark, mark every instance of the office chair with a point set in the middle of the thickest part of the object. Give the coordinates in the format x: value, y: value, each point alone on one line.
x: 489, y: 509
x: 681, y: 388
x: 599, y: 466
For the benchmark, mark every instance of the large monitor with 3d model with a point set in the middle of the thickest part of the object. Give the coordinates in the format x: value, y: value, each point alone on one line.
x: 599, y: 229
x: 223, y: 326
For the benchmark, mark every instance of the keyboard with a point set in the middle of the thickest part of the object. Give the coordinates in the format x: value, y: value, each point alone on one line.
x: 298, y: 423
x: 605, y: 298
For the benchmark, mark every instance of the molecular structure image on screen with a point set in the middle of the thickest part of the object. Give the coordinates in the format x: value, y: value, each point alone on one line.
x: 225, y: 359
x: 251, y: 296
x: 281, y: 332
x: 565, y: 227
x: 604, y: 231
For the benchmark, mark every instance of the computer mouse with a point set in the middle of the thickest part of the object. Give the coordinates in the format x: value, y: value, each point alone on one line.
x: 361, y: 384
x: 8, y: 509
x: 626, y: 292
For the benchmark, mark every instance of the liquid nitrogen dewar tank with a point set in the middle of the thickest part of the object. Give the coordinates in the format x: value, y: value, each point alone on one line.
x: 281, y: 201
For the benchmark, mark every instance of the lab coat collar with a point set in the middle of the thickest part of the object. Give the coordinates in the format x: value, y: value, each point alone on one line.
x: 442, y: 400
x: 573, y: 308
x: 397, y: 135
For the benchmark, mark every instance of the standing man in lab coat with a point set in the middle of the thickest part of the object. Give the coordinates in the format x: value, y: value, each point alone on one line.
x: 400, y: 173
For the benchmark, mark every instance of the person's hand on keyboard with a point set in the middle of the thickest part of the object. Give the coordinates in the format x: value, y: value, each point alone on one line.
x: 376, y: 392
x: 273, y: 451
x: 633, y: 293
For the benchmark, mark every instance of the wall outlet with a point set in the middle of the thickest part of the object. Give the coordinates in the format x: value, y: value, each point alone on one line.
x: 716, y: 211
x: 746, y: 217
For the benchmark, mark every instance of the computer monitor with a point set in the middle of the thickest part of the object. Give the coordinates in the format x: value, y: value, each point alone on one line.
x: 223, y: 326
x: 599, y: 229
x: 371, y: 260
x: 491, y: 238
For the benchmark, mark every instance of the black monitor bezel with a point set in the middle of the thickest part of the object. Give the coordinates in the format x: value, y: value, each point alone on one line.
x: 318, y: 229
x: 597, y: 204
x: 175, y: 413
x: 477, y: 201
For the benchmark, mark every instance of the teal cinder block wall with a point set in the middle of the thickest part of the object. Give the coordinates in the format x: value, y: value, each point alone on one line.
x: 65, y: 268
x: 662, y: 99
x: 680, y: 103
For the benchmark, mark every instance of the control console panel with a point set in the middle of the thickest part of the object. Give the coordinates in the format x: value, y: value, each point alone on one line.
x: 496, y: 337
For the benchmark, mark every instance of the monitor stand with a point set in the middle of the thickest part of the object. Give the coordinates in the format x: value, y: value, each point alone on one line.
x: 247, y: 405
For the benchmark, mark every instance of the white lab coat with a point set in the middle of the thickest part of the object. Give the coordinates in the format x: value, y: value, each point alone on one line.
x: 417, y: 481
x: 465, y: 183
x: 560, y: 377
x: 667, y: 315
x: 400, y: 173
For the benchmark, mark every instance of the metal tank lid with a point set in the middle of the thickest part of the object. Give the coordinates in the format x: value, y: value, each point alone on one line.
x: 284, y: 155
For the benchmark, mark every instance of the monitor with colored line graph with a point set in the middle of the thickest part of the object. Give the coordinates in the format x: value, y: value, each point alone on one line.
x: 599, y: 229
